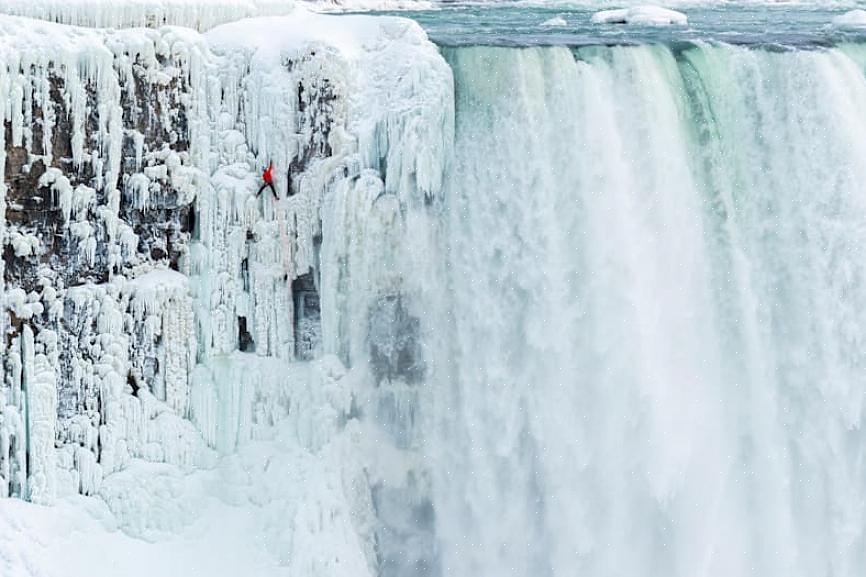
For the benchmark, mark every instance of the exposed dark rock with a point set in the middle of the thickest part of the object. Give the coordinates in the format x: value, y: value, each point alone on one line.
x: 308, y: 321
x: 395, y: 346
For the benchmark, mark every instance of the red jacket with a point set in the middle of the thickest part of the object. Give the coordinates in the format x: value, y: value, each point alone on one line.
x: 267, y: 175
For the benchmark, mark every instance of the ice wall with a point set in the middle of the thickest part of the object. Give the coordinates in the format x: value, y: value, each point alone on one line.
x: 159, y: 310
x: 98, y: 182
x: 656, y: 270
x: 359, y: 149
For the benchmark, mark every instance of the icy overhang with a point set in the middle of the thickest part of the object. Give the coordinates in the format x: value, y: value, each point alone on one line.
x: 24, y: 39
x: 350, y: 35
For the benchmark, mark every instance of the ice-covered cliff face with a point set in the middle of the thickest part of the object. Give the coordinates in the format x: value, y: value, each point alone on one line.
x: 156, y: 310
x: 101, y: 167
x: 609, y: 324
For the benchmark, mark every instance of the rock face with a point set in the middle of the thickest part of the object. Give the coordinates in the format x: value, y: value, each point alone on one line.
x: 142, y: 277
x: 99, y: 187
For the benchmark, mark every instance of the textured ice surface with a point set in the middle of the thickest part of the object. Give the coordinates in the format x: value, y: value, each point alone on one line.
x: 152, y: 301
x: 200, y: 15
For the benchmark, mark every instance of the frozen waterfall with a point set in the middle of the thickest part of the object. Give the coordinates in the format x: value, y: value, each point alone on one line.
x: 529, y: 312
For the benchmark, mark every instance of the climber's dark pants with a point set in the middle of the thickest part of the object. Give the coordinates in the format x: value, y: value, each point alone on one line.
x: 264, y: 186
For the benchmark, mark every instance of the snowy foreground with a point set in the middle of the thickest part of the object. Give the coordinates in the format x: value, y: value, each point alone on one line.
x: 158, y: 405
x: 276, y: 508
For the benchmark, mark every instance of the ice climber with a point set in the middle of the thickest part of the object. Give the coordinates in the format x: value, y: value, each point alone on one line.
x: 268, y: 177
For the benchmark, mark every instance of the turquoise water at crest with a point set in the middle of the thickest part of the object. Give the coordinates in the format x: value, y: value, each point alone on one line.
x: 522, y: 25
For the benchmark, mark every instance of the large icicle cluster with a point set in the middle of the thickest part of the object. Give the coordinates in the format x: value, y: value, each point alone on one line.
x: 99, y: 180
x: 154, y: 306
x: 358, y: 131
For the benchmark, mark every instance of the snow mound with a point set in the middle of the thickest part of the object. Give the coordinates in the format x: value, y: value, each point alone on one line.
x: 641, y: 15
x: 556, y: 21
x: 155, y: 279
x: 851, y: 19
x: 276, y: 37
x: 199, y: 14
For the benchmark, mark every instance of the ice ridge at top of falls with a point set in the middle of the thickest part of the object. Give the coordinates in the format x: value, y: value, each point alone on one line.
x: 198, y: 14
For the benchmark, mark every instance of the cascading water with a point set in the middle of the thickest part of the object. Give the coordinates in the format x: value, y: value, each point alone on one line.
x: 573, y: 310
x: 657, y: 284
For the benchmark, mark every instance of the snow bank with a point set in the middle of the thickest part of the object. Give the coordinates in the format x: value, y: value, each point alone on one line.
x: 159, y: 280
x: 201, y: 15
x: 271, y: 37
x: 641, y: 15
x: 851, y: 19
x: 273, y: 510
